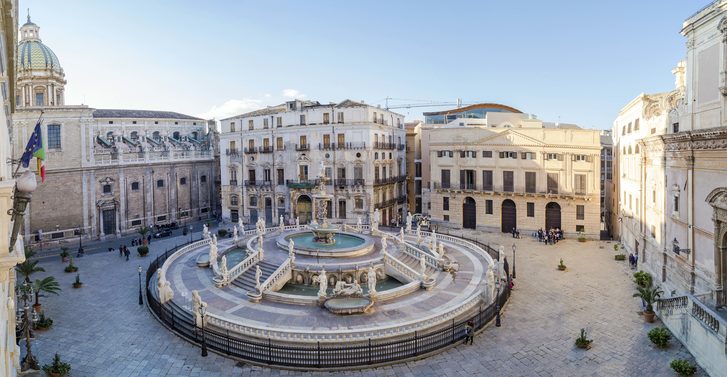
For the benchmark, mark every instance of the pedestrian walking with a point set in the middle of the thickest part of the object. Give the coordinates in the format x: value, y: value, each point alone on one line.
x: 121, y: 251
x: 636, y: 260
x: 126, y: 252
x: 631, y: 260
x: 148, y: 239
x: 469, y: 332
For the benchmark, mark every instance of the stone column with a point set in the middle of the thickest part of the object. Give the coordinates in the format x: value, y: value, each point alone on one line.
x: 719, y: 251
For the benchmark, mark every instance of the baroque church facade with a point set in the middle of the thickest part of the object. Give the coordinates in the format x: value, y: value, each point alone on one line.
x: 108, y: 171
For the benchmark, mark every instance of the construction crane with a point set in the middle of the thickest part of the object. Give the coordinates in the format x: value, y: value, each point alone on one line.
x: 423, y: 103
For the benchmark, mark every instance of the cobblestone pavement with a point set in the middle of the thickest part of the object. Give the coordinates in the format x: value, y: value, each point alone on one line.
x: 102, y: 331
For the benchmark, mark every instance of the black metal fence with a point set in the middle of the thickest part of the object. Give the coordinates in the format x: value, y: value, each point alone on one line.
x: 317, y: 355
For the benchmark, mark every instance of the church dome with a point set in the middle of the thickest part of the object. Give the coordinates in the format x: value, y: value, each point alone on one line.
x: 32, y: 53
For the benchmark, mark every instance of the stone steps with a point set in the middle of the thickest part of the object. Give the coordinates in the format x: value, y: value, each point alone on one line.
x: 247, y: 282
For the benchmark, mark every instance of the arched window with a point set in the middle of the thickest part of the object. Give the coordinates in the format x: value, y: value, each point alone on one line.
x: 629, y: 128
x: 629, y: 149
x: 624, y: 149
x: 134, y: 136
x: 234, y: 200
x: 175, y: 135
x: 110, y: 136
x: 636, y: 149
x: 623, y: 130
x: 156, y: 136
x: 194, y: 135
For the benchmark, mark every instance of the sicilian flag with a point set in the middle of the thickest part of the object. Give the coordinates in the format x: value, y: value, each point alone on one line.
x: 35, y: 149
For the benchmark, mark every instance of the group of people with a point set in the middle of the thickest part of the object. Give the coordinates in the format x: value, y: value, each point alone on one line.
x: 633, y: 260
x: 550, y: 237
x: 515, y: 233
x: 123, y: 251
x: 140, y: 241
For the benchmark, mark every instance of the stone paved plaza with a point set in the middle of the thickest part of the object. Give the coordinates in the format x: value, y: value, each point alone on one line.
x: 102, y: 331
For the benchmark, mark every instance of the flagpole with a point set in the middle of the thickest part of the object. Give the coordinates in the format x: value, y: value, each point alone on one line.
x: 15, y: 173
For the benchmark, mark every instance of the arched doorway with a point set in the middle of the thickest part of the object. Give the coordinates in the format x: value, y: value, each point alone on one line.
x: 469, y: 213
x: 304, y: 209
x: 552, y: 215
x: 268, y: 212
x: 509, y: 216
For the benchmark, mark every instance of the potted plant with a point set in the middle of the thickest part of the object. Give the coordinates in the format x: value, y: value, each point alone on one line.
x: 583, y: 341
x: 620, y: 257
x: 615, y: 247
x: 642, y: 278
x: 64, y: 254
x: 71, y: 267
x: 28, y: 267
x: 649, y: 295
x: 561, y: 266
x: 582, y: 237
x: 142, y: 250
x: 57, y: 368
x: 77, y: 283
x: 43, y: 322
x: 660, y: 336
x: 222, y: 232
x: 683, y: 367
x: 49, y: 285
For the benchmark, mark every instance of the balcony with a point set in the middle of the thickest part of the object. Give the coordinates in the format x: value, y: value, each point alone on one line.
x: 250, y: 150
x: 280, y: 148
x: 233, y: 182
x: 351, y: 145
x: 342, y: 182
x: 302, y: 184
x: 266, y: 149
x: 389, y: 180
x: 258, y: 184
x: 327, y: 147
x: 302, y: 147
x: 232, y: 152
x: 467, y: 186
x: 382, y: 145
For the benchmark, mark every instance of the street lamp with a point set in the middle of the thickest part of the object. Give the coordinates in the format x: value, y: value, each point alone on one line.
x: 190, y: 233
x: 29, y: 361
x: 24, y: 187
x: 203, y: 313
x: 514, y: 248
x: 141, y: 300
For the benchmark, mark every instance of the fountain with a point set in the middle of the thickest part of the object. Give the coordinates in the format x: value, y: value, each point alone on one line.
x: 323, y: 232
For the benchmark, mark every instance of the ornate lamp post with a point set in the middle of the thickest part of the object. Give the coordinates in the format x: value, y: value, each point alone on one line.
x: 24, y: 187
x: 514, y: 248
x: 203, y: 313
x: 141, y: 300
x: 497, y: 296
x: 29, y: 361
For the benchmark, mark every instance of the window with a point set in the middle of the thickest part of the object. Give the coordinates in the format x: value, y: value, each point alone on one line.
x: 253, y: 201
x: 446, y: 217
x: 341, y: 141
x: 134, y: 186
x: 507, y: 181
x: 623, y: 130
x: 487, y: 180
x: 358, y: 172
x: 39, y: 99
x: 530, y: 179
x: 580, y: 157
x: 579, y: 184
x: 527, y: 155
x: 506, y: 154
x: 279, y: 122
x: 418, y: 187
x: 374, y: 116
x: 488, y: 207
x: 341, y: 209
x: 445, y: 203
x: 358, y: 203
x: 636, y: 125
x: 340, y: 117
x: 487, y: 154
x: 653, y: 231
x: 183, y: 181
x: 326, y: 141
x: 267, y: 175
x: 302, y: 120
x: 303, y: 140
x: 580, y: 228
x: 445, y: 178
x: 675, y: 127
x: 636, y: 148
x: 653, y: 196
x: 203, y: 179
x: 326, y: 118
x: 160, y: 183
x: 106, y: 189
x: 628, y: 128
x: 552, y: 183
x: 232, y: 126
x: 250, y: 125
x: 417, y: 169
x: 134, y: 136
x: 676, y: 203
x: 580, y: 212
x: 251, y: 174
x: 303, y: 172
x: 54, y: 136
x: 265, y: 123
x: 531, y: 209
x: 234, y: 201
x: 553, y: 156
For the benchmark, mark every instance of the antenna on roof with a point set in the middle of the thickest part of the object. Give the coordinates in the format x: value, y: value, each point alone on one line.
x: 28, y: 14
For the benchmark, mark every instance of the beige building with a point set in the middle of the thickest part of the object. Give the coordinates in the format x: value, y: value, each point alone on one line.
x: 109, y: 172
x: 10, y: 255
x: 274, y: 157
x: 414, y: 166
x: 509, y: 170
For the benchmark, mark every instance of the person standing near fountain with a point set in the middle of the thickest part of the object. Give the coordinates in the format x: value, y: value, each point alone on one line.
x: 371, y: 280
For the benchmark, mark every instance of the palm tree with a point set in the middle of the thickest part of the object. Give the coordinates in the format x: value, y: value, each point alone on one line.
x: 144, y: 230
x: 649, y: 295
x: 28, y: 268
x: 48, y: 285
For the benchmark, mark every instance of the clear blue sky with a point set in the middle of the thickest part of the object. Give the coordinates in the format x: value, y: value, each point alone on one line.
x: 577, y: 61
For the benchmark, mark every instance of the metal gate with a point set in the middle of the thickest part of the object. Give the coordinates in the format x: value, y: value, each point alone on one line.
x: 109, y: 221
x: 552, y: 215
x: 509, y: 216
x: 469, y: 213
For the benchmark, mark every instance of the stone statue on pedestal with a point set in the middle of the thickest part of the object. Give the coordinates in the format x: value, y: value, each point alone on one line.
x: 164, y: 287
x: 234, y: 233
x: 223, y: 268
x: 358, y: 223
x: 440, y: 250
x: 281, y: 223
x: 401, y: 234
x: 197, y: 303
x: 384, y: 243
x: 258, y: 275
x: 205, y: 232
x: 409, y: 219
x: 291, y: 250
x: 322, y: 283
x: 423, y: 264
x: 297, y: 221
x: 240, y: 225
x: 489, y: 291
x: 371, y: 281
x: 213, y: 253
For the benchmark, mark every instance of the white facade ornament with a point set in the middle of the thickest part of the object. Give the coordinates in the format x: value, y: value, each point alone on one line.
x: 409, y: 219
x: 258, y: 275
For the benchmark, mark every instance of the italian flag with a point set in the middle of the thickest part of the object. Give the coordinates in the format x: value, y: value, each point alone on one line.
x: 39, y: 155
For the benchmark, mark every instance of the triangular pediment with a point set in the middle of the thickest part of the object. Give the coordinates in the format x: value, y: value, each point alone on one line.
x: 510, y: 137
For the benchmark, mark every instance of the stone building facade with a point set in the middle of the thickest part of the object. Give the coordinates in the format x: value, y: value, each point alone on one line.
x: 274, y: 156
x: 414, y: 166
x: 509, y: 170
x: 108, y: 172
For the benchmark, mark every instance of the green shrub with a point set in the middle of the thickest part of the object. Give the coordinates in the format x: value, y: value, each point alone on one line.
x: 582, y: 341
x: 660, y: 336
x: 142, y: 250
x: 43, y: 322
x: 222, y: 232
x: 683, y: 367
x: 643, y: 278
x: 619, y: 257
x: 57, y: 366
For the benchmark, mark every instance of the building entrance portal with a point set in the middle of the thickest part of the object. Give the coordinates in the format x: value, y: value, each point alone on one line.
x: 552, y: 215
x: 469, y: 213
x: 509, y: 216
x: 304, y: 209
